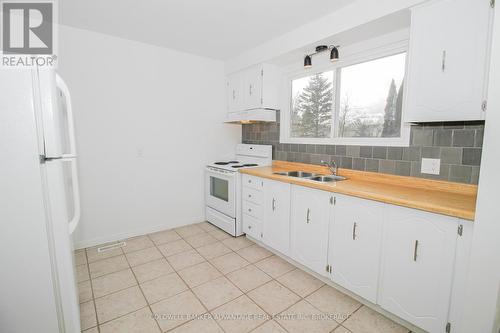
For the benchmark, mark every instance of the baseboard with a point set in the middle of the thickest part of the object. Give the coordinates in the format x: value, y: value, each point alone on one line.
x: 133, y: 233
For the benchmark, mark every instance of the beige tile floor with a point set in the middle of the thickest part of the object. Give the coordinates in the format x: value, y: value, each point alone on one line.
x: 197, y: 278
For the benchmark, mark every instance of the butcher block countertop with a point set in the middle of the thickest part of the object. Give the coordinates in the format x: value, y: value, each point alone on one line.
x: 447, y: 198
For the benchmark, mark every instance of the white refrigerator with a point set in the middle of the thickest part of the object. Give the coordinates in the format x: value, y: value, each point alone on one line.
x: 39, y: 203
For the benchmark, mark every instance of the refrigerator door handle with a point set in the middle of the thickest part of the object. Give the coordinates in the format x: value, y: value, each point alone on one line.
x: 73, y: 223
x: 71, y: 128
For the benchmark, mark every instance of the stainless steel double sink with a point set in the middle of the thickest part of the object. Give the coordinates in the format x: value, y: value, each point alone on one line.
x: 311, y: 176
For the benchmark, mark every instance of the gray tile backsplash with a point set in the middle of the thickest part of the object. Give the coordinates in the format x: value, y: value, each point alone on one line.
x: 457, y: 144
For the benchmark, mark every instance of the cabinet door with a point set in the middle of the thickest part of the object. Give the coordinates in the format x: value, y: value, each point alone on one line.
x: 355, y: 245
x: 417, y: 266
x: 234, y: 92
x: 310, y: 213
x: 448, y: 60
x: 252, y: 88
x: 276, y: 226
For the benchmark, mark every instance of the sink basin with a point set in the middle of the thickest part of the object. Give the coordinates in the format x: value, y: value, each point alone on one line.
x: 327, y: 179
x: 299, y: 174
x: 311, y: 176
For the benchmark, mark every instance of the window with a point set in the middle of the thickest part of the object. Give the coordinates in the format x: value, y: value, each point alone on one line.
x: 312, y: 105
x: 356, y: 103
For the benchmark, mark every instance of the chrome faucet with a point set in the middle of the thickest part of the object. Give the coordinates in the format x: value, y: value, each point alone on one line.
x: 332, y: 166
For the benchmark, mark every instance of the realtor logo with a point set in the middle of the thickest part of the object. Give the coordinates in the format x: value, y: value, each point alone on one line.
x: 27, y: 27
x: 28, y: 31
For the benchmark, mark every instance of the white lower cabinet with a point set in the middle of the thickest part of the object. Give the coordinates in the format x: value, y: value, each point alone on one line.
x: 276, y: 215
x: 407, y: 261
x: 355, y: 245
x: 417, y: 266
x: 310, y: 214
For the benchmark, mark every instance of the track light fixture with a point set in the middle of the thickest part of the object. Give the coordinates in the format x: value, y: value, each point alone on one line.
x: 334, y: 54
x: 307, y: 61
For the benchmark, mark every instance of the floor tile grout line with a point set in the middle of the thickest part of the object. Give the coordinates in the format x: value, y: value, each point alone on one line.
x: 176, y: 271
x: 209, y: 261
x: 222, y: 275
x: 92, y: 292
x: 192, y: 292
x: 116, y: 291
x: 143, y: 295
x: 270, y: 316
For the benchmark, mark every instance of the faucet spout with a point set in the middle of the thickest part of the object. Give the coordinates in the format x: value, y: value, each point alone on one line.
x: 332, y: 166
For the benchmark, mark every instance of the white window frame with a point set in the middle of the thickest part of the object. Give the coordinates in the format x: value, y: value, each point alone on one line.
x: 356, y: 56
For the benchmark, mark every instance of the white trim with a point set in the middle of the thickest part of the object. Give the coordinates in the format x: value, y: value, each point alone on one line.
x: 353, y: 55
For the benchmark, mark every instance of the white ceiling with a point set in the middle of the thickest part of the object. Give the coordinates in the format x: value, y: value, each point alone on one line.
x: 218, y: 29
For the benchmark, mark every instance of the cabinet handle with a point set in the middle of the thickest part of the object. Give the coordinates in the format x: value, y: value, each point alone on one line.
x: 443, y: 61
x: 234, y: 95
x: 250, y: 90
x: 415, y: 251
x: 308, y: 215
x: 274, y: 204
x: 249, y: 195
x: 354, y: 231
x: 249, y: 227
x: 249, y: 181
x: 249, y: 209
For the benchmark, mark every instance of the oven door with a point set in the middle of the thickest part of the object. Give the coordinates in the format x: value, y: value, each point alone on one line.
x: 220, y: 190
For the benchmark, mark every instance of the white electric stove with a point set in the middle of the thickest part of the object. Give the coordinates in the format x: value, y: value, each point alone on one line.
x: 223, y: 186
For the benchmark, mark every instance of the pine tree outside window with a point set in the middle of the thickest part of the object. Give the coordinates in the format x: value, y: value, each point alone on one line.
x: 358, y: 103
x: 312, y: 99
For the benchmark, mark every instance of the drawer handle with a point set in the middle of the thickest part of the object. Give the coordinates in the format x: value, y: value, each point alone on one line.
x: 274, y: 204
x: 415, y: 251
x: 308, y: 215
x: 249, y: 227
x: 354, y: 231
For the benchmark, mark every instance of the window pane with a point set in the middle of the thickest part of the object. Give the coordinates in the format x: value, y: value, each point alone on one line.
x: 311, y: 109
x: 371, y: 98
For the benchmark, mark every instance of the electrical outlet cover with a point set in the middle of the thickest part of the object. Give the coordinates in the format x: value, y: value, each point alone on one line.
x: 431, y: 166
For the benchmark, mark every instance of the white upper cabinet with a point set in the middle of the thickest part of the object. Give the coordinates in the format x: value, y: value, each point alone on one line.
x: 448, y: 60
x: 309, y: 227
x: 355, y: 244
x: 276, y: 215
x: 252, y: 87
x: 235, y: 91
x: 417, y: 266
x: 257, y: 87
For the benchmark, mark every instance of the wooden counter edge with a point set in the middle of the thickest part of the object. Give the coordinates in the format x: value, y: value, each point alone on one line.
x: 465, y: 190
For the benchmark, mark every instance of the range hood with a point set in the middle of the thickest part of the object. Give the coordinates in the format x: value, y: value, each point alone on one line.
x: 251, y: 116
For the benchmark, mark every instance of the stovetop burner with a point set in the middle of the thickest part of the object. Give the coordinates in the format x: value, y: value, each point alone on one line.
x: 244, y: 165
x: 226, y: 163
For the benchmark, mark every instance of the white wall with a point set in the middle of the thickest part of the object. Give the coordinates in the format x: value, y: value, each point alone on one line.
x: 482, y: 311
x: 147, y: 121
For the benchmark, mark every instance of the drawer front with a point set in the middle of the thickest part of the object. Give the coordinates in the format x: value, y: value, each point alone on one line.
x: 253, y: 182
x: 252, y: 226
x: 252, y: 195
x: 252, y: 209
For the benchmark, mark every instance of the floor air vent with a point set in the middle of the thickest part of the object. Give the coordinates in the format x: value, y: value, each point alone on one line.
x: 111, y: 247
